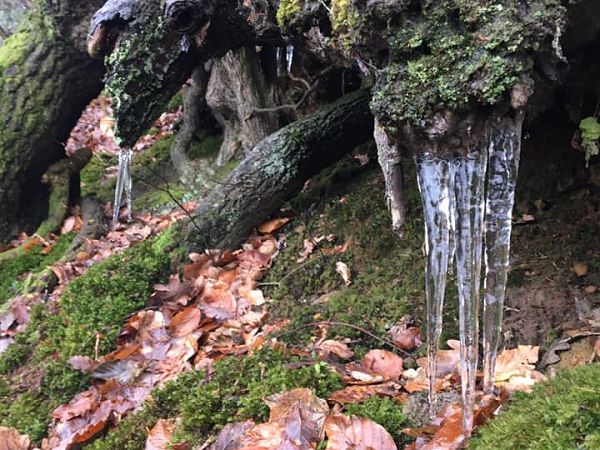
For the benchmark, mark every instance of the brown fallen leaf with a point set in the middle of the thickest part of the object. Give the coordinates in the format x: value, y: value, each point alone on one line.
x: 580, y: 269
x: 359, y: 393
x: 447, y: 361
x: 384, y: 363
x: 273, y: 225
x: 405, y: 336
x: 332, y: 347
x: 11, y: 439
x: 356, y: 433
x: 185, y: 322
x: 229, y: 438
x: 160, y: 435
x: 296, y: 422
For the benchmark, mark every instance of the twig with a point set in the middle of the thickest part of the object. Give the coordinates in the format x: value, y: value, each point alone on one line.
x: 170, y: 194
x: 348, y: 325
x: 310, y: 89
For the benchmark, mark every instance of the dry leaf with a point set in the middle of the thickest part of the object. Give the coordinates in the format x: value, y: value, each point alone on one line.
x: 406, y: 337
x: 296, y: 422
x: 384, y: 363
x: 11, y: 439
x: 230, y: 436
x: 359, y: 393
x: 337, y: 348
x: 273, y: 225
x: 160, y: 435
x: 344, y: 271
x: 185, y: 322
x: 356, y: 433
x: 580, y: 269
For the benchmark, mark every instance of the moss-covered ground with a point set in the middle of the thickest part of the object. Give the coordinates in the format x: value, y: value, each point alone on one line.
x: 13, y: 271
x: 561, y: 414
x: 205, y: 406
x: 34, y: 374
x: 387, y: 272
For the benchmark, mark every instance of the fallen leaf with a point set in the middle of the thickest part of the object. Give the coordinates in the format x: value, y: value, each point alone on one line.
x: 296, y: 421
x: 160, y: 435
x: 11, y: 439
x: 405, y: 337
x: 344, y: 271
x: 447, y: 361
x: 273, y: 225
x: 359, y: 393
x: 580, y: 269
x: 229, y: 438
x: 185, y: 322
x: 384, y: 363
x: 83, y: 363
x: 356, y: 433
x: 337, y: 348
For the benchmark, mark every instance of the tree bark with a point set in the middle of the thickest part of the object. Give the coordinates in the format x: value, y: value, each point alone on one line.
x: 46, y: 80
x: 237, y: 86
x: 276, y: 169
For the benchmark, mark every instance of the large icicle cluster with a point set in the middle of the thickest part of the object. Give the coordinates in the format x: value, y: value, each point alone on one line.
x: 463, y: 212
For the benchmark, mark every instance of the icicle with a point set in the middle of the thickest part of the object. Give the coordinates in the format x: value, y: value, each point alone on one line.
x: 503, y: 166
x: 435, y: 177
x: 124, y: 183
x: 289, y: 57
x: 469, y: 203
x: 278, y: 60
x: 388, y: 155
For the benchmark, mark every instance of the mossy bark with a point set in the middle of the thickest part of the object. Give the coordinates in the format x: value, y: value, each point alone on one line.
x: 277, y: 168
x: 46, y: 79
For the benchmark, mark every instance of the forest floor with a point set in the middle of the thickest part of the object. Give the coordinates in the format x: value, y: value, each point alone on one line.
x: 312, y: 330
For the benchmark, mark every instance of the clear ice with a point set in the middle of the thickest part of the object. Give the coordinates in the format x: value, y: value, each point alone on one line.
x: 289, y: 57
x: 469, y: 209
x: 124, y: 184
x: 436, y: 177
x: 503, y: 167
x: 460, y: 210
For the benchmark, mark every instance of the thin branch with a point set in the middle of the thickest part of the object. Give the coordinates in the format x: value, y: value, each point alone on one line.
x: 347, y: 325
x: 310, y: 89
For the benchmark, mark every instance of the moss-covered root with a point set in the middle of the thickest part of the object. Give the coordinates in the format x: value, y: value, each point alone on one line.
x: 561, y: 414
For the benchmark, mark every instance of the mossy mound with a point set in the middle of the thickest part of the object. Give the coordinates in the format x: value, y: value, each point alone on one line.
x: 563, y: 413
x: 32, y: 260
x: 207, y: 405
x: 347, y: 201
x: 34, y: 369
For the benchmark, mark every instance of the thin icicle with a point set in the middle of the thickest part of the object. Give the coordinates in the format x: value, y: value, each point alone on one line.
x: 278, y: 53
x: 388, y: 155
x: 503, y: 167
x: 124, y: 183
x: 435, y: 176
x: 289, y: 57
x: 469, y: 202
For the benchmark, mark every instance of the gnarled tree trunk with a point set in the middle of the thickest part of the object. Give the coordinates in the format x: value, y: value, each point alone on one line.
x: 46, y: 79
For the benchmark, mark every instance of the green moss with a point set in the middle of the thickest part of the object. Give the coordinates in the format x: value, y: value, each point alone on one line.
x: 97, y: 302
x: 205, y: 147
x: 207, y: 406
x: 385, y: 412
x: 563, y: 413
x: 590, y: 136
x: 12, y: 49
x: 28, y: 413
x: 445, y: 54
x: 12, y: 271
x: 288, y: 11
x: 387, y: 271
x: 93, y: 181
